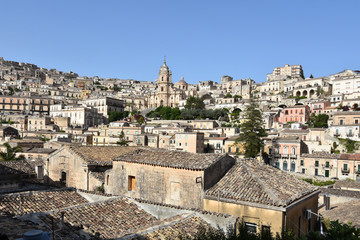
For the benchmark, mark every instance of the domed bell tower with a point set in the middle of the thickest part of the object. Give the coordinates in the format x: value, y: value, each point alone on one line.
x: 164, y: 86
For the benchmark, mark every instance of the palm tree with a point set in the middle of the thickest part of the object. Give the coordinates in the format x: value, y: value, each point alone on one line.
x: 10, y: 153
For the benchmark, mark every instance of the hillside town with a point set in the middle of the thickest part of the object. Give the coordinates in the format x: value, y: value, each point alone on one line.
x: 106, y: 158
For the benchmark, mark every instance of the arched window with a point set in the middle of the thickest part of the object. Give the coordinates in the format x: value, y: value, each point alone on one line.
x: 293, y: 150
x: 285, y: 166
x: 107, y: 179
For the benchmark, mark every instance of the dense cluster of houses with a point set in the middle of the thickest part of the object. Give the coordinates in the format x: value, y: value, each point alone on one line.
x: 171, y: 175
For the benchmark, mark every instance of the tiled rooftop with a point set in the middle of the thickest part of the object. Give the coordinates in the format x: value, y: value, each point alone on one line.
x: 111, y: 219
x: 350, y: 156
x: 173, y: 159
x: 250, y: 181
x: 183, y: 229
x: 321, y: 155
x: 347, y: 184
x: 344, y: 212
x: 25, y: 203
x: 15, y: 167
x: 100, y: 154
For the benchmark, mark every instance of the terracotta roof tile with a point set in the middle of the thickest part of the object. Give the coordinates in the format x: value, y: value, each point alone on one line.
x: 25, y: 203
x: 173, y: 159
x: 102, y: 155
x: 250, y: 181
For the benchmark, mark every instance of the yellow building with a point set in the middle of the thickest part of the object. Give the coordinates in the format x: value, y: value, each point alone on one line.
x: 264, y: 198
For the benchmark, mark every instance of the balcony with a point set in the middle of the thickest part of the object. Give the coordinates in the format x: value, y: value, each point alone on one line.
x: 345, y: 170
x: 293, y: 156
x: 337, y: 135
x: 349, y: 134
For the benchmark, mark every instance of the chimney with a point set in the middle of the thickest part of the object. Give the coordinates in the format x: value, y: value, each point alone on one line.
x: 327, y: 202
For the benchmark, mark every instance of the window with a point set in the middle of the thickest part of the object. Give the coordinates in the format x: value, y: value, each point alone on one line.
x: 303, y: 170
x: 293, y: 150
x: 131, y: 183
x: 356, y: 121
x: 265, y: 228
x: 316, y: 163
x: 107, y: 179
x: 138, y: 141
x: 285, y: 166
x: 341, y: 122
x: 345, y: 167
x: 251, y: 227
x: 186, y: 144
x: 316, y: 171
x: 229, y: 149
x: 327, y: 164
x: 293, y: 166
x: 301, y: 162
x: 277, y: 165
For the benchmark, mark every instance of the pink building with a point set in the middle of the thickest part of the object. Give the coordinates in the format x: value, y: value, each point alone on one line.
x: 319, y: 107
x: 298, y: 113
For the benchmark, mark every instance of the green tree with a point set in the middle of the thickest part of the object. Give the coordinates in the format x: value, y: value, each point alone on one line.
x: 334, y: 148
x: 10, y: 153
x: 252, y: 130
x: 194, y: 103
x: 122, y: 141
x: 311, y: 76
x: 228, y: 95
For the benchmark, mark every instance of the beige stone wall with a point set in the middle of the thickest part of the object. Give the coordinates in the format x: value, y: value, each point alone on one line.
x: 296, y: 214
x: 159, y: 184
x: 65, y: 161
x: 259, y: 216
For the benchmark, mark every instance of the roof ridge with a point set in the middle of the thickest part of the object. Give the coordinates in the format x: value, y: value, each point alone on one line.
x: 271, y: 194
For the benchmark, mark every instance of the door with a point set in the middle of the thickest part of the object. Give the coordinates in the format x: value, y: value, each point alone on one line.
x: 63, y: 178
x: 326, y: 173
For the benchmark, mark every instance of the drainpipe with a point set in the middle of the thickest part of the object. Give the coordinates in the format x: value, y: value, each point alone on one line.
x: 87, y: 179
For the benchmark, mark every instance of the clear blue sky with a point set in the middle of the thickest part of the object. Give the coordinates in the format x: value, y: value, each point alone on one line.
x: 202, y: 40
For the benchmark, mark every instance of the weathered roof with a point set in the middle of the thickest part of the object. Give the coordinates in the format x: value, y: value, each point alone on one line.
x: 172, y: 159
x: 347, y: 113
x: 112, y: 218
x: 177, y: 229
x: 250, y: 181
x: 321, y: 155
x: 15, y: 168
x: 344, y: 212
x: 25, y: 203
x: 102, y: 155
x: 350, y: 156
x: 345, y: 184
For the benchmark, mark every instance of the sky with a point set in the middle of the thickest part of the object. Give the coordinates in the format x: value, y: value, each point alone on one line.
x: 202, y: 40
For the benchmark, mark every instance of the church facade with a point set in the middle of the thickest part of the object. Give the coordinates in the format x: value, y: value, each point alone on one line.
x: 166, y: 94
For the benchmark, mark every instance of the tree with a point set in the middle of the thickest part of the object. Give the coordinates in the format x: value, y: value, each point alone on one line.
x: 122, y: 141
x: 10, y: 153
x: 194, y: 103
x: 252, y: 130
x: 311, y: 76
x: 228, y: 95
x: 334, y: 148
x: 319, y: 121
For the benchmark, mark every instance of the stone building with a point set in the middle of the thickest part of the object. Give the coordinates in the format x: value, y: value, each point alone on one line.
x: 81, y: 167
x: 104, y: 105
x: 32, y: 104
x: 264, y: 198
x: 169, y: 177
x: 166, y: 94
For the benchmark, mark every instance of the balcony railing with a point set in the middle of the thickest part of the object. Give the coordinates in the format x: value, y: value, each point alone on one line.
x: 293, y: 156
x: 345, y: 170
x: 337, y: 135
x: 350, y: 135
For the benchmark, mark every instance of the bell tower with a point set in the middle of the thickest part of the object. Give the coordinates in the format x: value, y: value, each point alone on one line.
x: 164, y: 85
